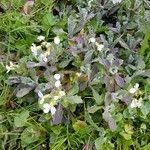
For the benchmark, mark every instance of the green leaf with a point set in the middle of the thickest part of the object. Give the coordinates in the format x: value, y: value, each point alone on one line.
x: 145, y: 108
x: 23, y: 91
x: 21, y: 119
x: 90, y: 121
x: 146, y: 147
x: 99, y: 143
x: 145, y: 43
x: 75, y: 99
x: 74, y: 90
x: 28, y: 136
x: 93, y: 109
x: 98, y: 98
x: 49, y: 19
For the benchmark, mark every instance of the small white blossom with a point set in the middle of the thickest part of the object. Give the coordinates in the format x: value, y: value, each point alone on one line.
x: 62, y: 93
x: 34, y: 49
x: 134, y: 89
x: 41, y: 38
x: 56, y: 98
x: 57, y: 76
x: 56, y: 40
x: 40, y: 94
x: 47, y: 107
x: 57, y: 83
x: 78, y: 74
x: 48, y: 45
x: 38, y: 48
x: 42, y: 58
x: 44, y: 43
x: 89, y: 3
x: 99, y: 46
x: 116, y: 1
x: 41, y: 101
x: 8, y: 68
x: 11, y: 67
x: 53, y: 110
x: 92, y: 40
x: 136, y: 103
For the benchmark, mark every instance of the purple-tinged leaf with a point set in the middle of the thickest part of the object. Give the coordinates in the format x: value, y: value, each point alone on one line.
x: 112, y: 124
x: 127, y: 99
x: 31, y: 65
x: 106, y: 115
x: 108, y: 118
x: 58, y: 116
x: 2, y: 58
x: 73, y: 50
x: 108, y: 99
x: 106, y: 63
x: 23, y: 90
x: 119, y: 80
x: 109, y: 82
x: 117, y: 62
x: 13, y: 80
x: 123, y: 44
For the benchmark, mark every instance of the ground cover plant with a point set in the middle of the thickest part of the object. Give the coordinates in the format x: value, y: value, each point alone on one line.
x: 74, y: 74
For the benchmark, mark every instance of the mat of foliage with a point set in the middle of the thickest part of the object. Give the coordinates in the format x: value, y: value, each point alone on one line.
x: 75, y: 74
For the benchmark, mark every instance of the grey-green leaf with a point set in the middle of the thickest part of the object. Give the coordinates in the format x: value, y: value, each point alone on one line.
x: 98, y: 98
x: 21, y: 119
x: 75, y: 99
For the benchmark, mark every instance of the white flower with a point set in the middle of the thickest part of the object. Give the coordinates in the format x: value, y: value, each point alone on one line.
x: 57, y: 83
x: 99, y: 46
x: 41, y: 100
x: 56, y: 98
x: 56, y: 40
x: 42, y: 58
x: 34, y: 49
x: 8, y: 68
x: 57, y: 76
x: 40, y: 94
x: 136, y: 103
x: 78, y: 74
x: 134, y: 89
x: 53, y: 110
x: 41, y: 38
x: 44, y: 43
x: 116, y: 1
x: 11, y: 67
x: 38, y: 48
x: 47, y: 107
x: 92, y: 40
x: 62, y: 93
x: 89, y: 3
x: 48, y: 45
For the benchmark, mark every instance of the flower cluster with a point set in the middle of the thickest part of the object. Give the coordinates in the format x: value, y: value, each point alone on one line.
x: 99, y: 46
x: 42, y: 51
x: 136, y: 103
x: 134, y: 89
x: 49, y: 101
x: 57, y: 78
x: 11, y: 67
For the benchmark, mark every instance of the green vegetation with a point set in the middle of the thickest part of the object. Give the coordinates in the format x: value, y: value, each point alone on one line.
x: 75, y: 75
